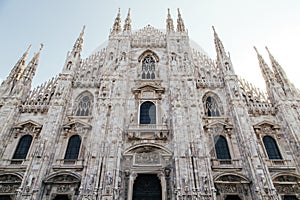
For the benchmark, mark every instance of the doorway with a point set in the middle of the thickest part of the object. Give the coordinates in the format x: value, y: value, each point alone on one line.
x: 147, y: 187
x: 61, y: 197
x: 233, y: 197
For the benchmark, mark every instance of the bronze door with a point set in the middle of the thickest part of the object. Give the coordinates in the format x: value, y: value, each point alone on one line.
x: 147, y: 187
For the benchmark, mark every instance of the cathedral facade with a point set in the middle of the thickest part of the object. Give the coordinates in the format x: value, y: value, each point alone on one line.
x: 149, y: 117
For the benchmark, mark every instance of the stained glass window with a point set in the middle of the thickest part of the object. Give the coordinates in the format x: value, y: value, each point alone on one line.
x: 148, y: 68
x: 211, y: 107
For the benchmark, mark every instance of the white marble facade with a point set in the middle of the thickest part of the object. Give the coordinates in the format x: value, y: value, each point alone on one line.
x: 150, y: 108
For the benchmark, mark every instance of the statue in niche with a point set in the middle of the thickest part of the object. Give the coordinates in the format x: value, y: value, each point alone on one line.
x: 108, y: 178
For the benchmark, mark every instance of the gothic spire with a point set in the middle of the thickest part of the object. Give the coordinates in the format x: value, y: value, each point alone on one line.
x: 78, y: 44
x: 127, y: 25
x: 281, y: 76
x: 180, y: 24
x: 15, y: 75
x: 221, y: 53
x: 29, y: 71
x: 170, y: 25
x: 117, y: 24
x: 18, y: 69
x: 266, y: 71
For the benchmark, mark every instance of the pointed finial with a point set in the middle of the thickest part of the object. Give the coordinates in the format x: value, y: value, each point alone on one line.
x: 170, y: 25
x: 180, y: 24
x: 41, y: 47
x: 79, y: 42
x: 281, y: 76
x: 127, y: 25
x: 117, y: 24
x: 221, y: 53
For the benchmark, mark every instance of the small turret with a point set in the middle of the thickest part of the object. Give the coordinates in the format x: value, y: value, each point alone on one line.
x: 169, y: 22
x: 127, y: 25
x: 117, y: 24
x: 30, y: 70
x: 180, y: 23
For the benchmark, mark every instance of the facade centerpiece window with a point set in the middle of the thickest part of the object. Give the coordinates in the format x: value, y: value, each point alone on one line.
x: 211, y: 107
x: 84, y: 104
x: 148, y: 68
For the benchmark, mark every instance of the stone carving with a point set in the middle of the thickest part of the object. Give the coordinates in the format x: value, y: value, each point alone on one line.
x: 147, y: 158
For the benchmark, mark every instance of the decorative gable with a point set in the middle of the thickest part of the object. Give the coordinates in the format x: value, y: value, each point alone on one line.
x: 266, y: 127
x: 76, y: 126
x: 148, y: 90
x: 27, y: 127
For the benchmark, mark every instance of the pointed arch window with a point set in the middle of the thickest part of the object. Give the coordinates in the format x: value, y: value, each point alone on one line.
x: 211, y: 107
x: 221, y: 146
x: 271, y: 148
x: 148, y: 68
x: 148, y: 113
x: 84, y: 106
x: 73, y: 148
x: 23, y: 147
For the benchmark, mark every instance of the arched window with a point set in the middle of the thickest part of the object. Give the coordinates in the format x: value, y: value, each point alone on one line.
x: 271, y: 148
x: 211, y: 107
x: 73, y: 148
x: 84, y: 106
x: 221, y: 147
x: 148, y: 68
x: 23, y: 147
x: 148, y: 113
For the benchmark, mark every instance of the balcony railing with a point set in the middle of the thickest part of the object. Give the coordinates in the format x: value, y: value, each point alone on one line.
x: 147, y: 132
x: 226, y: 163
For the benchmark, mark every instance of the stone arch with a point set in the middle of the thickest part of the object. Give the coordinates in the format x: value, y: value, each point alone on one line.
x: 287, y: 183
x: 131, y: 149
x: 62, y: 183
x: 212, y: 105
x: 233, y: 185
x: 148, y: 52
x: 84, y: 104
x: 9, y: 183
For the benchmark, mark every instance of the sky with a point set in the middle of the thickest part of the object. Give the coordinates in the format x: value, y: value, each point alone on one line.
x: 241, y: 24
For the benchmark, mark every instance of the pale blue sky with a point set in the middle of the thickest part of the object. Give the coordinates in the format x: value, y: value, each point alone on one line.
x: 241, y: 24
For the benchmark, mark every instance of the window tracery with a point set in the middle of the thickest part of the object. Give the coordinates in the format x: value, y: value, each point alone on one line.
x: 84, y: 105
x: 211, y: 107
x: 148, y: 68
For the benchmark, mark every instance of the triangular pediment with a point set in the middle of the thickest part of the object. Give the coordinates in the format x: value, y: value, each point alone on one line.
x: 77, y: 123
x: 149, y: 87
x: 28, y: 123
x: 218, y: 123
x: 266, y: 123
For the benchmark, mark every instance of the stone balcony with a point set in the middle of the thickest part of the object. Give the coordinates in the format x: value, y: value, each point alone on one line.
x: 280, y: 164
x: 226, y: 164
x: 68, y: 164
x: 147, y: 132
